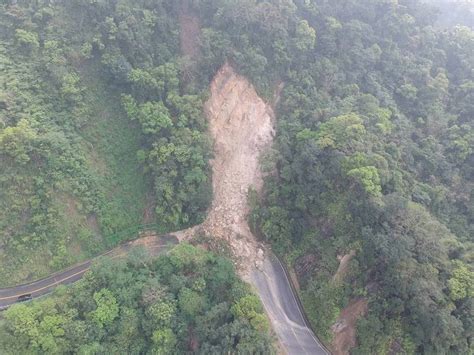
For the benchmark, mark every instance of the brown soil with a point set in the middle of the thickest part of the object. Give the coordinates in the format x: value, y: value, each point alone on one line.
x: 241, y: 126
x: 344, y: 329
x: 343, y: 266
x: 189, y: 32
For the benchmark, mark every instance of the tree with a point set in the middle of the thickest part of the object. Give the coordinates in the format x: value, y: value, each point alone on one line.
x: 107, y: 308
x: 18, y: 141
x: 162, y: 313
x: 27, y: 40
x: 250, y: 308
x: 191, y: 303
x: 461, y: 283
x: 40, y: 328
x: 368, y: 177
x: 153, y: 116
x: 164, y: 341
x: 341, y: 132
x: 305, y: 36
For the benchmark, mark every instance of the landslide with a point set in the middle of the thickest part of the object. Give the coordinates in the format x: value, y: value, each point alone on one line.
x: 241, y: 126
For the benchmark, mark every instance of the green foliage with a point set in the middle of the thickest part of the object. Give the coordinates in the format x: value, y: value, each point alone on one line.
x: 107, y: 309
x: 18, y: 141
x: 27, y: 39
x: 305, y: 36
x: 368, y: 177
x: 37, y: 328
x: 373, y: 152
x: 191, y: 302
x: 153, y: 116
x: 250, y: 309
x: 461, y: 284
x: 323, y: 301
x: 70, y: 173
x: 155, y: 306
x: 164, y: 341
x: 340, y: 132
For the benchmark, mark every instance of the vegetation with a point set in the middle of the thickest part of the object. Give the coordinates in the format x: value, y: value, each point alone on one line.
x: 187, y: 301
x: 97, y: 132
x: 373, y: 151
x: 373, y: 154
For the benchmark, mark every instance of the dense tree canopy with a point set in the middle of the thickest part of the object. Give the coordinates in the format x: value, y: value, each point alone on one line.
x: 98, y: 132
x: 189, y: 301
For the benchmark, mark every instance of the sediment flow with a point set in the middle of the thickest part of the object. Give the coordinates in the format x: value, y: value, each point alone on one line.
x: 241, y: 126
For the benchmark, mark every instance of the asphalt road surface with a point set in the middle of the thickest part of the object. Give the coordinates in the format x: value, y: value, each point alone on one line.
x: 9, y: 296
x: 270, y: 281
x: 280, y: 303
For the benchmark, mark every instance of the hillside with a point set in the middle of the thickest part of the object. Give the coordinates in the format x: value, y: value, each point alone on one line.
x: 366, y: 191
x: 77, y: 171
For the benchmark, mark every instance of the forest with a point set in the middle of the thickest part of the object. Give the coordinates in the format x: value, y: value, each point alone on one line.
x: 187, y: 301
x: 102, y: 128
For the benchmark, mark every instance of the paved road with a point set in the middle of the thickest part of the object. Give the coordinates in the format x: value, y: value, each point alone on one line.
x: 280, y: 303
x: 270, y: 281
x: 9, y: 296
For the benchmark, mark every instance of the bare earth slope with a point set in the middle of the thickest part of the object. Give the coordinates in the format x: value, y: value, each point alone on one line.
x: 241, y: 126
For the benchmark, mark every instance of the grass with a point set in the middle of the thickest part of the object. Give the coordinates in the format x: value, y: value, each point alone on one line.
x: 111, y: 141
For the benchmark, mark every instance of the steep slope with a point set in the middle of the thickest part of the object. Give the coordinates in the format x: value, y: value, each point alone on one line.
x: 241, y: 126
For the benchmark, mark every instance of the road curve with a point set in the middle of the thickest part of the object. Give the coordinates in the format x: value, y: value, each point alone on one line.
x: 9, y: 296
x: 279, y: 300
x: 269, y: 280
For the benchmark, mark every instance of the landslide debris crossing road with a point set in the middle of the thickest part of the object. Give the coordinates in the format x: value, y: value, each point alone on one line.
x: 241, y: 126
x: 277, y: 296
x: 9, y: 296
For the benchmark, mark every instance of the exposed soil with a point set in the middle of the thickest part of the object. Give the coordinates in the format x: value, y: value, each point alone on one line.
x: 190, y: 30
x: 344, y: 329
x: 241, y: 126
x: 343, y: 266
x: 189, y: 34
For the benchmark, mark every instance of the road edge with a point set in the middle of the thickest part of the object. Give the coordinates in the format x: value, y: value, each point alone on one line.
x: 298, y: 301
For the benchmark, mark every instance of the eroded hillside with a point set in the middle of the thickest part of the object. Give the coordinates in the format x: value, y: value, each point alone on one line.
x: 241, y: 126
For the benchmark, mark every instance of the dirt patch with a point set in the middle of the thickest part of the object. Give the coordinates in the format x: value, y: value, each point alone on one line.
x: 190, y: 30
x: 241, y: 126
x: 344, y: 329
x: 71, y: 207
x: 343, y: 266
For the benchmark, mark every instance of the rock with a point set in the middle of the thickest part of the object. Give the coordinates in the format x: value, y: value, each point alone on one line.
x: 339, y: 326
